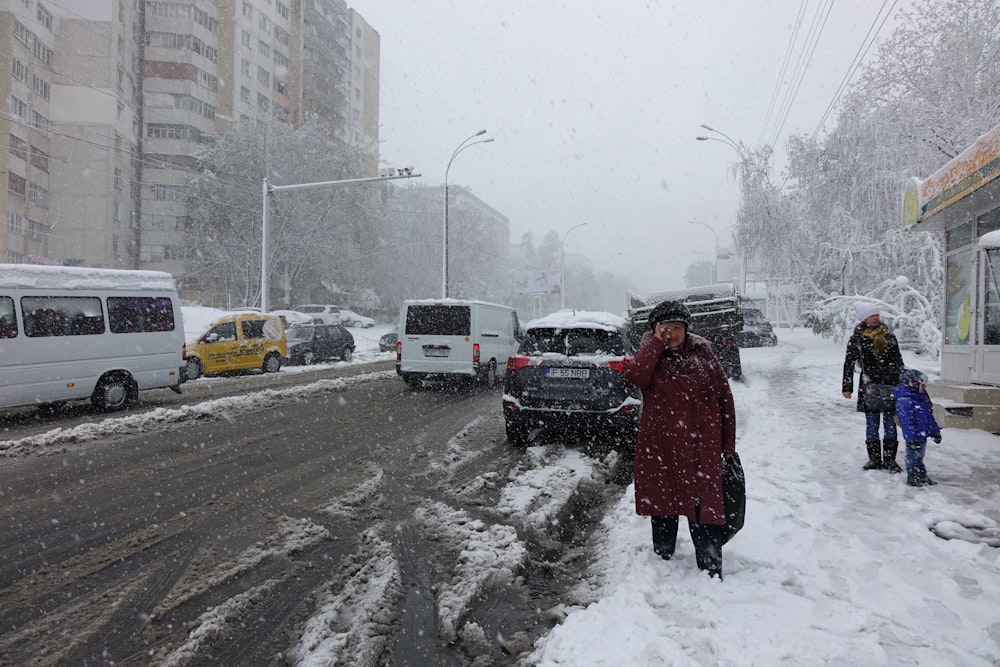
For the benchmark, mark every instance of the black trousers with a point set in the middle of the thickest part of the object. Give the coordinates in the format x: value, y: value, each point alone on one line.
x: 707, y: 540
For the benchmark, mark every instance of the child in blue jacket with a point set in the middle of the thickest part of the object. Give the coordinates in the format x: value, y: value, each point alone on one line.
x: 916, y: 420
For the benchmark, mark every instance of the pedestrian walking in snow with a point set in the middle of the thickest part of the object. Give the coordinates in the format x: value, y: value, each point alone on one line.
x: 688, y: 425
x: 873, y: 348
x: 916, y: 420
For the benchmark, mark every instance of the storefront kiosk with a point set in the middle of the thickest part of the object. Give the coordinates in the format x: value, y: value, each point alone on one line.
x: 962, y: 199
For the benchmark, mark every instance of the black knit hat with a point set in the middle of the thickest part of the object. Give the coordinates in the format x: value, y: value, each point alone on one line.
x: 670, y: 311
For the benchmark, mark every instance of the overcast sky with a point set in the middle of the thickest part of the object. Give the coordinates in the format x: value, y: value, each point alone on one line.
x: 595, y: 106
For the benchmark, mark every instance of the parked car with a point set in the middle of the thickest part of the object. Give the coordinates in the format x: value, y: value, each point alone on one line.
x: 320, y: 313
x: 310, y: 343
x: 291, y: 318
x: 568, y: 374
x: 757, y: 331
x: 351, y: 319
x: 387, y: 342
x: 237, y: 341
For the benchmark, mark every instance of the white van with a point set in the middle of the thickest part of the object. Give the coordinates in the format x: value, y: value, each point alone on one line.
x: 442, y: 339
x: 69, y: 333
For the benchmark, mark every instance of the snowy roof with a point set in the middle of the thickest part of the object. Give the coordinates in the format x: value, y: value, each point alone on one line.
x: 990, y: 240
x: 962, y: 175
x: 452, y: 302
x: 76, y: 277
x: 570, y: 319
x: 708, y: 291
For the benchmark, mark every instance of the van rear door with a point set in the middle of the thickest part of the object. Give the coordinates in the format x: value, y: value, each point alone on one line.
x: 437, y: 338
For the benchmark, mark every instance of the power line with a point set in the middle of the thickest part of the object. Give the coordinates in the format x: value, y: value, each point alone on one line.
x: 805, y: 59
x: 859, y: 56
x: 781, y: 73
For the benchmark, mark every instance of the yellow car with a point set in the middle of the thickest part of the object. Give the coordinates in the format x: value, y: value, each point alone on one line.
x: 237, y: 342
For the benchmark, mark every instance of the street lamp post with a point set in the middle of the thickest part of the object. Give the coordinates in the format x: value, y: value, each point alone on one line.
x: 265, y: 270
x: 715, y: 263
x: 744, y: 159
x: 562, y: 265
x: 444, y: 250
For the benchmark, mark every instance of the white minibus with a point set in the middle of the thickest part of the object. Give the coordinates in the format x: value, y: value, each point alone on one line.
x: 75, y: 333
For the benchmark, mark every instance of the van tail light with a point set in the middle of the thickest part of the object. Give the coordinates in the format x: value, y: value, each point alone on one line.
x: 516, y: 362
x: 399, y: 350
x: 619, y: 364
x: 475, y: 353
x: 184, y: 352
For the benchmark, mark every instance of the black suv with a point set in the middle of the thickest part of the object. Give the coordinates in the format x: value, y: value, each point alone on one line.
x: 757, y: 331
x: 567, y: 375
x: 310, y: 343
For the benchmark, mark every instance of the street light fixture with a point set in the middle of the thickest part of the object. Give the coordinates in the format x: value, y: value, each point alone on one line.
x: 444, y: 251
x: 715, y: 263
x: 562, y: 266
x: 265, y: 270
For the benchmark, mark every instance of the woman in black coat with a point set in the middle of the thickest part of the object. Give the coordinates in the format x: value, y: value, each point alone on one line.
x: 874, y: 348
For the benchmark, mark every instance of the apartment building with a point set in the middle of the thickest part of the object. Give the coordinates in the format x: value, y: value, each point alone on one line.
x: 26, y: 82
x: 139, y: 90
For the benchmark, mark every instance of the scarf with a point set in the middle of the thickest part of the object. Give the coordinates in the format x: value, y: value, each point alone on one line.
x: 877, y: 336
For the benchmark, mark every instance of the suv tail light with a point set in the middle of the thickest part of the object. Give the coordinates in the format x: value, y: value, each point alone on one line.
x: 399, y: 350
x: 475, y: 353
x: 619, y: 364
x: 184, y: 352
x: 516, y: 362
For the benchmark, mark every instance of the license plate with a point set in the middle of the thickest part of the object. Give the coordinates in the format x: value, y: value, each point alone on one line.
x: 436, y: 352
x: 575, y: 373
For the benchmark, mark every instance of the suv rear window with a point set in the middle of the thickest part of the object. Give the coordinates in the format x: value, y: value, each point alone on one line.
x: 438, y: 320
x: 573, y: 342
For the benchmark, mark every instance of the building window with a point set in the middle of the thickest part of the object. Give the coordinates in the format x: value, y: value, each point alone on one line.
x: 247, y: 9
x: 282, y: 9
x: 22, y: 34
x: 281, y: 35
x: 37, y: 231
x: 264, y: 76
x: 246, y: 39
x: 264, y: 23
x: 263, y: 102
x: 280, y: 59
x: 245, y: 67
x: 15, y: 223
x: 118, y: 178
x: 18, y: 108
x: 280, y: 86
x: 40, y: 122
x: 206, y: 80
x: 18, y: 146
x: 44, y: 17
x: 18, y: 69
x: 244, y: 94
x: 263, y: 48
x: 116, y: 212
x: 38, y: 195
x: 42, y: 52
x: 40, y: 159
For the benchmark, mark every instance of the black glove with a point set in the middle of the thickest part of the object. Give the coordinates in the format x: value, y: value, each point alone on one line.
x: 936, y: 438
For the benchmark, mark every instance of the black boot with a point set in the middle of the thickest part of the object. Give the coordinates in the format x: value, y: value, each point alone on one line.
x: 889, y: 456
x: 874, y: 455
x: 913, y: 477
x: 927, y: 481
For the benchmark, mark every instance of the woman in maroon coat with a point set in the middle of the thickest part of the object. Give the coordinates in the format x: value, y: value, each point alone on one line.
x: 688, y: 424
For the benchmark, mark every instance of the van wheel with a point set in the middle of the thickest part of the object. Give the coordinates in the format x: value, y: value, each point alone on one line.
x: 272, y: 363
x: 308, y: 358
x: 194, y: 368
x: 347, y: 353
x: 410, y: 380
x: 114, y: 392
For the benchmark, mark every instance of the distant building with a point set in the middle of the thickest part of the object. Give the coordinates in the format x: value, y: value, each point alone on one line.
x: 113, y: 102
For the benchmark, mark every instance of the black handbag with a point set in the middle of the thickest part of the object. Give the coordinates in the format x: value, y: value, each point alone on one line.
x: 734, y: 493
x: 879, y: 398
